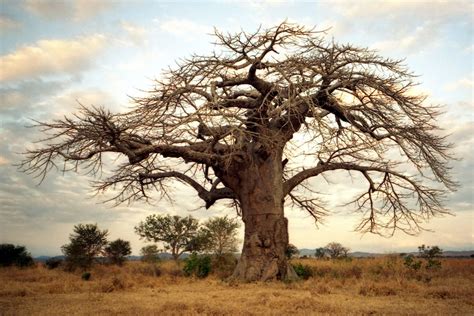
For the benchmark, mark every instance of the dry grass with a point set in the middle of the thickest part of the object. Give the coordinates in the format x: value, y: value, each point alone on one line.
x: 360, y: 287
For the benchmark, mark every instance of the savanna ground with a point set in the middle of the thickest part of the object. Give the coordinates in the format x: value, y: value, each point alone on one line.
x: 357, y: 287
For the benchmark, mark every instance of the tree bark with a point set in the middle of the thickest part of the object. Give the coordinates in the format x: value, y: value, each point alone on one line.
x: 260, y: 192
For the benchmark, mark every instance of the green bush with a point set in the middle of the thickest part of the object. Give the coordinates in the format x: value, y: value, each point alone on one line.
x: 86, y: 276
x: 198, y: 265
x: 53, y: 263
x: 411, y: 263
x: 304, y: 271
x: 14, y: 255
x: 430, y: 254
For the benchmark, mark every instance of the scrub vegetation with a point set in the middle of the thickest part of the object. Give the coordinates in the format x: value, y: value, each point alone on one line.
x: 382, y: 285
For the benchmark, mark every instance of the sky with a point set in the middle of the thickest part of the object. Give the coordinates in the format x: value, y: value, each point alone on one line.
x: 55, y: 54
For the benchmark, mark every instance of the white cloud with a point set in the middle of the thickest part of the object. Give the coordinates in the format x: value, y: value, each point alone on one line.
x: 400, y: 9
x: 183, y: 27
x: 413, y: 42
x: 135, y: 33
x: 469, y: 49
x: 51, y: 57
x: 463, y: 83
x: 69, y: 101
x: 412, y: 26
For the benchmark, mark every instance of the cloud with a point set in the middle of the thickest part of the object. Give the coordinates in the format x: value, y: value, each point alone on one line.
x: 49, y: 9
x: 7, y: 24
x: 415, y: 41
x: 463, y: 83
x: 183, y: 27
x: 78, y: 10
x: 412, y: 25
x: 401, y: 9
x: 85, y: 9
x: 135, y: 33
x: 469, y: 49
x: 22, y: 98
x: 51, y: 57
x: 68, y: 101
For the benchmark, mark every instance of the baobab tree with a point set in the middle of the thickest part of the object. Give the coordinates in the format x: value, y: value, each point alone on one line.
x: 228, y: 125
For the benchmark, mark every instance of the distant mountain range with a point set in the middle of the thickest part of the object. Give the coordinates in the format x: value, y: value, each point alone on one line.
x: 361, y: 254
x: 303, y: 252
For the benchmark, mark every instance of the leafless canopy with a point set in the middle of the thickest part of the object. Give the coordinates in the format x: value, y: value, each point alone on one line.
x: 347, y: 107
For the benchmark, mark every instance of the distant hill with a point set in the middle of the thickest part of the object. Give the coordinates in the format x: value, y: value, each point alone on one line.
x: 303, y: 252
x: 361, y: 254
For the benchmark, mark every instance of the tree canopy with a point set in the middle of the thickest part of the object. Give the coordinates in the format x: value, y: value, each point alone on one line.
x: 176, y: 232
x: 86, y: 242
x: 236, y: 124
x: 117, y: 251
x: 221, y: 235
x: 358, y: 109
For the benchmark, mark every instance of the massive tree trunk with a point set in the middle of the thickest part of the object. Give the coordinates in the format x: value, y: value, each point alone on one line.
x: 260, y: 192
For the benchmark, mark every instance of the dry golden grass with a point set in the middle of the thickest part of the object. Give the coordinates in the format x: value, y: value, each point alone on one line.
x: 360, y: 287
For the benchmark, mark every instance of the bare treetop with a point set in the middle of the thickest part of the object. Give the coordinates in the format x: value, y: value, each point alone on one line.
x: 245, y: 103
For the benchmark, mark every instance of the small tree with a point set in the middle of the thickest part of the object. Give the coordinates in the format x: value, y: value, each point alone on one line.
x: 335, y: 250
x: 175, y: 232
x: 221, y: 235
x: 117, y: 251
x: 291, y: 251
x: 430, y: 254
x: 86, y: 243
x: 14, y: 255
x: 320, y: 253
x: 150, y: 253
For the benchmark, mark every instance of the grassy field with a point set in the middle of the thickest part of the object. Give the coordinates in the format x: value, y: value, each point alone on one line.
x: 382, y: 286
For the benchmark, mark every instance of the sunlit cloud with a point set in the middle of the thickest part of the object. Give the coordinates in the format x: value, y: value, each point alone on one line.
x: 183, y: 27
x: 52, y: 57
x: 135, y: 33
x: 78, y: 10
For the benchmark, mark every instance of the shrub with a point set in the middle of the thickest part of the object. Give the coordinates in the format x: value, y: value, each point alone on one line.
x: 117, y: 251
x: 86, y: 276
x: 198, y: 265
x: 304, y: 271
x: 14, y: 255
x: 411, y: 263
x: 430, y: 254
x: 223, y: 266
x: 53, y: 263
